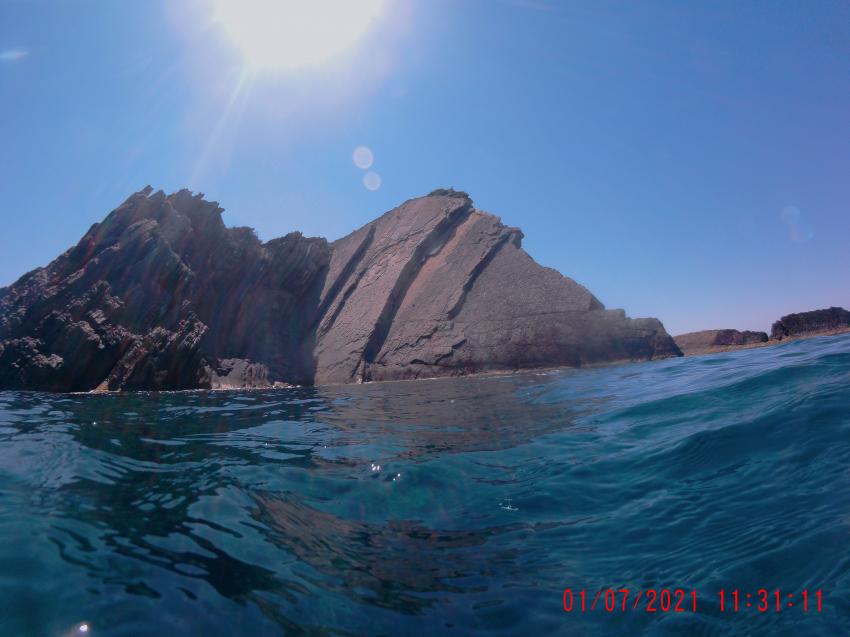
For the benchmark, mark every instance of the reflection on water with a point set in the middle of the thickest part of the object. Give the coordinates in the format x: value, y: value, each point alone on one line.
x: 382, y: 564
x: 451, y: 506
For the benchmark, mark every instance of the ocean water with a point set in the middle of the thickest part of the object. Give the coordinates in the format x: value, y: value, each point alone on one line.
x: 454, y: 506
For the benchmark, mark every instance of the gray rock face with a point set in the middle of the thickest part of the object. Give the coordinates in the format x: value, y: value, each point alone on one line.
x: 706, y: 340
x: 161, y: 295
x: 833, y: 319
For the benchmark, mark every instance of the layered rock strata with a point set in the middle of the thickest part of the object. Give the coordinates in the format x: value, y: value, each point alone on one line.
x: 161, y: 295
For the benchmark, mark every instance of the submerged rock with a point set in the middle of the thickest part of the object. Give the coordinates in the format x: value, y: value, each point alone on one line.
x: 161, y: 295
x: 833, y: 319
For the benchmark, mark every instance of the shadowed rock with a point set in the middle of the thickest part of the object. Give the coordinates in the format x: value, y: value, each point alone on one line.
x: 833, y: 319
x: 161, y: 295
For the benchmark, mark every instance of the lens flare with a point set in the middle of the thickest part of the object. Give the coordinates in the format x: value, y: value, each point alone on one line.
x: 363, y: 157
x: 372, y: 180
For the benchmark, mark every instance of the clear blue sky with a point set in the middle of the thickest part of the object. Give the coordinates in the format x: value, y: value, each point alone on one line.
x: 685, y: 160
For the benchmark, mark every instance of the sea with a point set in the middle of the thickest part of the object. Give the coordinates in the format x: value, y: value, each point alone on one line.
x: 696, y: 496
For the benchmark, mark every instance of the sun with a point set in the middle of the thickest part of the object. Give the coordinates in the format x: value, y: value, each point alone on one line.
x: 287, y: 35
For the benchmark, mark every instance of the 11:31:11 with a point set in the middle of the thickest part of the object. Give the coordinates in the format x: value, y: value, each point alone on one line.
x: 764, y: 600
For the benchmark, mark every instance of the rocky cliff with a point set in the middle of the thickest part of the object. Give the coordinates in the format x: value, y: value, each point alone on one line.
x: 161, y: 295
x: 712, y: 340
x: 833, y: 319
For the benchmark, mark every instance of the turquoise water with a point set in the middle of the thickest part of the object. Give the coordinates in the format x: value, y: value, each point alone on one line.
x: 460, y: 506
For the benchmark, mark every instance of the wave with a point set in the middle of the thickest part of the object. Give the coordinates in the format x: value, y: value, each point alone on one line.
x: 454, y: 506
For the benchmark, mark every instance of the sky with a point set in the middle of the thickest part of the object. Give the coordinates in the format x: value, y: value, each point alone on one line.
x: 684, y: 160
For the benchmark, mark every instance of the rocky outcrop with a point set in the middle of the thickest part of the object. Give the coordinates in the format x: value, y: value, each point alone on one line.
x: 708, y: 340
x: 833, y: 319
x: 817, y: 322
x: 161, y: 295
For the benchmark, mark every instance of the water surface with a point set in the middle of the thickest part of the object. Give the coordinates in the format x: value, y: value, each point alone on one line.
x: 454, y: 506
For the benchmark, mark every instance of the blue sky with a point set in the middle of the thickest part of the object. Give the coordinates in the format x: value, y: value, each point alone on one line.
x: 682, y: 160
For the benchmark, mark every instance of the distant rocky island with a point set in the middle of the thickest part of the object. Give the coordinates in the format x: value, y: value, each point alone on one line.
x: 708, y: 340
x: 833, y: 320
x: 160, y: 295
x: 829, y: 321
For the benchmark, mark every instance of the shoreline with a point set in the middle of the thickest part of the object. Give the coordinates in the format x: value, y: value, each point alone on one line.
x: 484, y: 373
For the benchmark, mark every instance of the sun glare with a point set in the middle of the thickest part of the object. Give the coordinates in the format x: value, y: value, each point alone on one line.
x: 293, y: 34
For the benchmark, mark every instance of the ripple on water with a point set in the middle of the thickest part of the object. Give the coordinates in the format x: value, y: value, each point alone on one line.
x: 459, y: 506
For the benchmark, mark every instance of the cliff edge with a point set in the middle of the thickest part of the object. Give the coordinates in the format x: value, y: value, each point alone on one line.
x: 161, y: 295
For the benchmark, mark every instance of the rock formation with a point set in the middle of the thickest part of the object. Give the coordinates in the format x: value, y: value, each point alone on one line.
x: 833, y: 319
x: 715, y: 340
x: 161, y: 295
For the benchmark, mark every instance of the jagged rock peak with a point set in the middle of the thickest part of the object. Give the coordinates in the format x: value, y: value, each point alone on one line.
x: 161, y: 295
x: 450, y: 192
